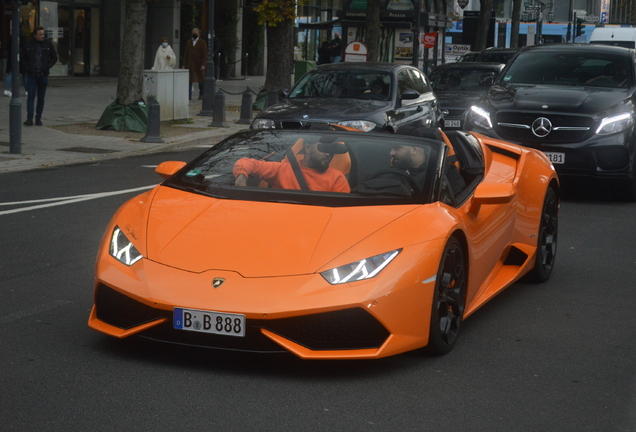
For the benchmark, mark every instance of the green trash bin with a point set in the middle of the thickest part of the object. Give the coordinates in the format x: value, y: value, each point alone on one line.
x: 301, y: 67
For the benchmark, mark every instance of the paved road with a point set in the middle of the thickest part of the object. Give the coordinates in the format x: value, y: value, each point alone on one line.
x: 552, y: 357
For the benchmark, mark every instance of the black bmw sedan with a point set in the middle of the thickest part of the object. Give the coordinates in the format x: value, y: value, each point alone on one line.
x: 366, y: 96
x: 459, y: 85
x: 574, y: 102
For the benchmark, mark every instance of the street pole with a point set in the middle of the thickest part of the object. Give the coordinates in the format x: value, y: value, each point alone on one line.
x: 540, y: 22
x: 207, y: 107
x: 15, y: 107
x: 416, y: 35
x: 569, y: 32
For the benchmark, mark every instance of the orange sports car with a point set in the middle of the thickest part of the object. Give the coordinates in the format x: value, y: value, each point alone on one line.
x: 329, y: 244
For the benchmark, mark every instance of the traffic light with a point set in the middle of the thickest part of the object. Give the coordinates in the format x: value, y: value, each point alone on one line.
x: 580, y: 29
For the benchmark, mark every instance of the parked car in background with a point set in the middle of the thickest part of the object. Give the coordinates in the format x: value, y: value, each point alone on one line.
x: 497, y: 55
x: 574, y: 102
x: 470, y: 56
x: 617, y: 36
x: 491, y: 55
x: 460, y: 85
x: 365, y: 96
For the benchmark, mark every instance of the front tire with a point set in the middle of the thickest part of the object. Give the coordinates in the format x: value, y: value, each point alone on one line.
x: 449, y: 299
x: 547, y: 239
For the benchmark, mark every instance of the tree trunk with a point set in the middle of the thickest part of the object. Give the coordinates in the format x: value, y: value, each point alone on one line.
x: 372, y: 38
x: 514, y: 33
x: 484, y: 24
x: 280, y: 51
x: 226, y: 15
x: 131, y: 71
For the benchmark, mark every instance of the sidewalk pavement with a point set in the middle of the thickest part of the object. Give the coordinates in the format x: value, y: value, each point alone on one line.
x: 74, y: 105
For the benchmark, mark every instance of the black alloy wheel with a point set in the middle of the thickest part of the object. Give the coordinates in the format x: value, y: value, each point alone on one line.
x: 449, y: 299
x: 547, y: 238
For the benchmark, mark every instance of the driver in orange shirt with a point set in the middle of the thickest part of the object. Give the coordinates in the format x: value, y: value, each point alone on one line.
x: 314, y: 167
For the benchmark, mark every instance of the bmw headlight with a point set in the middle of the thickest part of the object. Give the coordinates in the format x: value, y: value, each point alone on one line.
x: 615, y: 124
x: 359, y: 270
x: 480, y: 117
x: 262, y: 123
x: 363, y: 125
x: 122, y: 249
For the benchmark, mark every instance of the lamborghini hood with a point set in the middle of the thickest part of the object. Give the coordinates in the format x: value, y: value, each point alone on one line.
x: 256, y: 239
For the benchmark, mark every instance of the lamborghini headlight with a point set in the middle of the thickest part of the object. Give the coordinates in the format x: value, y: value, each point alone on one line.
x: 122, y: 249
x: 480, y: 116
x: 615, y: 124
x: 362, y: 125
x: 262, y: 123
x: 359, y: 270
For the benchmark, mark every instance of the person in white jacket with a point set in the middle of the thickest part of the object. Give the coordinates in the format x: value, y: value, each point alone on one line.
x: 165, y: 58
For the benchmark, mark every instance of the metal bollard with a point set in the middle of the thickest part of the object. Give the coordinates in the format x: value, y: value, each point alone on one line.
x: 153, y: 127
x: 246, y: 108
x: 272, y: 98
x: 218, y: 117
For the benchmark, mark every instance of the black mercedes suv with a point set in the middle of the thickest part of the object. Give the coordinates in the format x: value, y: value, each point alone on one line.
x: 574, y: 102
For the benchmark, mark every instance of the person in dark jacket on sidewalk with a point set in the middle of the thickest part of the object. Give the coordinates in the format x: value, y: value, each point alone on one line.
x: 37, y: 56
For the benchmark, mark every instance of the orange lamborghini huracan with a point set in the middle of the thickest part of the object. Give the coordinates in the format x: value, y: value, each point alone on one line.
x: 329, y: 244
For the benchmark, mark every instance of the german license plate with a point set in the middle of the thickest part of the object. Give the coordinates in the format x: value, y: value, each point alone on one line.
x: 453, y: 123
x: 556, y: 158
x: 209, y: 322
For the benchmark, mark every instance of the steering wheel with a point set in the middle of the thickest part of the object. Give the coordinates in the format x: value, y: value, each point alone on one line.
x: 399, y: 173
x: 374, y: 96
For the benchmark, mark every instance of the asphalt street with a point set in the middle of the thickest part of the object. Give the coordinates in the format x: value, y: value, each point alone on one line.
x: 557, y: 356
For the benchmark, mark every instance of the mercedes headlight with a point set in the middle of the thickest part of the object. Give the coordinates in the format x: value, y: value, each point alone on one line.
x: 480, y: 117
x: 615, y: 124
x: 362, y: 125
x: 262, y: 123
x: 122, y: 249
x: 359, y: 270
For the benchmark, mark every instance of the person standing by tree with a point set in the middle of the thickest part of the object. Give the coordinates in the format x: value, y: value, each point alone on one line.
x: 165, y: 58
x: 337, y: 46
x: 196, y: 55
x: 36, y: 58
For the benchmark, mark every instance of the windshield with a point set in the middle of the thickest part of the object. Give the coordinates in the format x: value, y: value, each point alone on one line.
x: 591, y: 68
x: 338, y: 168
x: 462, y: 79
x: 344, y: 84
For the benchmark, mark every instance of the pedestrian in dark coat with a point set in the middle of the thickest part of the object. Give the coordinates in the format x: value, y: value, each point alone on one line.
x: 37, y: 57
x: 196, y: 55
x: 324, y: 55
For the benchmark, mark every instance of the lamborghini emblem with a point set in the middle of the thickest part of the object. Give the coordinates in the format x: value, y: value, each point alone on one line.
x: 217, y: 282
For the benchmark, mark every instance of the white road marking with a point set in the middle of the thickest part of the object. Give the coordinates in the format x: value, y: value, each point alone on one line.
x: 52, y: 202
x: 149, y: 166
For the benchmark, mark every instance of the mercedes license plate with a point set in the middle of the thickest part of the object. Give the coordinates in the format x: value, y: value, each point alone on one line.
x: 209, y: 322
x: 556, y: 158
x: 453, y: 123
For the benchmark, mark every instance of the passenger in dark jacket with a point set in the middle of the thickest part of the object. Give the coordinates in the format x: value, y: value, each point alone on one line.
x: 37, y: 57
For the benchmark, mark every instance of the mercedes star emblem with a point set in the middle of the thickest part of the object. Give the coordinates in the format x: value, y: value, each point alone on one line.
x: 305, y: 116
x: 217, y: 282
x: 541, y: 127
